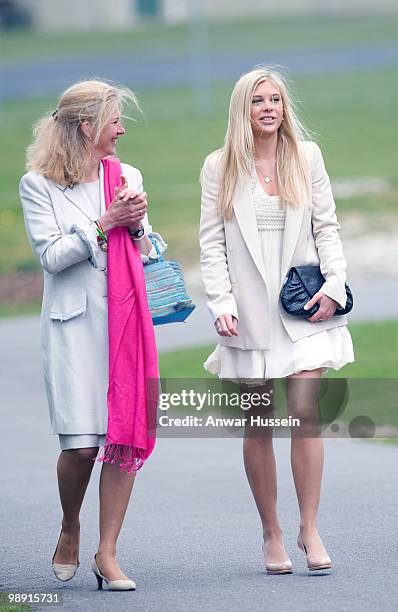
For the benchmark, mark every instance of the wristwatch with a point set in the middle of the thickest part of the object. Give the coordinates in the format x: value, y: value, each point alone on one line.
x: 137, y: 234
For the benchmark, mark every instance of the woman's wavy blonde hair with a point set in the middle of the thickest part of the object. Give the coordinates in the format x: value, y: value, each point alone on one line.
x: 60, y: 150
x: 238, y: 152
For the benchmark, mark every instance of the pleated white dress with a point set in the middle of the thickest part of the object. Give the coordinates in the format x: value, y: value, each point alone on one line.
x: 327, y: 349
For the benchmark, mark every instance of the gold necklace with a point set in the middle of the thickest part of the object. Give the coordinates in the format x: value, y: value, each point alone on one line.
x: 267, y: 176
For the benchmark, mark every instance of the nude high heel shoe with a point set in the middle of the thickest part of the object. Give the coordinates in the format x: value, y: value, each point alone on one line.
x: 113, y: 585
x: 64, y: 571
x: 314, y: 564
x: 281, y: 567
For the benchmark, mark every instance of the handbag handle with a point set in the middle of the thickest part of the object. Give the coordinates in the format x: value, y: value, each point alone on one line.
x: 160, y: 258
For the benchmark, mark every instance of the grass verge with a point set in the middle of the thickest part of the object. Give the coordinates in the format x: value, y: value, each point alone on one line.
x: 170, y: 145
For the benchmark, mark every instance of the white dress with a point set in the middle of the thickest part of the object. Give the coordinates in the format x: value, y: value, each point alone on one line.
x: 327, y: 349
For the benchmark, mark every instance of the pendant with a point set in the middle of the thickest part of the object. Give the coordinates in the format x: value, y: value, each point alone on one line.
x: 104, y: 247
x: 267, y: 179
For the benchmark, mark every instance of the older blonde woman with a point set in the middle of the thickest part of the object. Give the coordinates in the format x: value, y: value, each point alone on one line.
x: 267, y: 205
x: 69, y: 226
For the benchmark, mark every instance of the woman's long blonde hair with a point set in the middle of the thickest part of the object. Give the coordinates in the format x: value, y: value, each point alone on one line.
x: 60, y: 150
x: 238, y: 152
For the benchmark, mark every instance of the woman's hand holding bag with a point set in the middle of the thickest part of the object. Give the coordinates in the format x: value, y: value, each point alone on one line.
x: 327, y: 307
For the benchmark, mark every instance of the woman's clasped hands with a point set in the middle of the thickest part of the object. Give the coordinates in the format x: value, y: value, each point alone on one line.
x: 127, y: 208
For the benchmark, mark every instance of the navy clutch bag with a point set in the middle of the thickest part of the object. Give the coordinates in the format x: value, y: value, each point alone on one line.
x: 301, y: 284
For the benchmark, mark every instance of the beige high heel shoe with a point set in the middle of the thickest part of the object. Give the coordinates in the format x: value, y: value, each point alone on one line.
x: 280, y: 567
x: 64, y: 571
x: 314, y: 564
x: 113, y: 585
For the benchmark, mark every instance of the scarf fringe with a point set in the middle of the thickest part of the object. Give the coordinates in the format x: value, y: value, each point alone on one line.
x: 129, y: 458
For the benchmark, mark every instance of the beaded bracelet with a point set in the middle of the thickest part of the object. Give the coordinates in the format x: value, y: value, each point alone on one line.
x: 101, y: 238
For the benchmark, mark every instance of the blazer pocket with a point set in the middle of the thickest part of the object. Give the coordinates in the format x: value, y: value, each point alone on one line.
x: 63, y: 310
x: 69, y: 298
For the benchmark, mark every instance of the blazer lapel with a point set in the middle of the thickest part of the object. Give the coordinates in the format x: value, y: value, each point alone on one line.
x: 74, y: 199
x: 74, y: 195
x: 246, y: 218
x: 293, y: 221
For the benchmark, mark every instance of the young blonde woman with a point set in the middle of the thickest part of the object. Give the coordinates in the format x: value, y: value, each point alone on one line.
x: 72, y: 213
x: 267, y: 205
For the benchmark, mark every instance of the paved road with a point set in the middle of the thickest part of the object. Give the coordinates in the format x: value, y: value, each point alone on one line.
x: 46, y: 77
x: 191, y: 538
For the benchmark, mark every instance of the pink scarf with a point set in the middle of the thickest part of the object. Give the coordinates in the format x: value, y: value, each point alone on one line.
x: 133, y: 360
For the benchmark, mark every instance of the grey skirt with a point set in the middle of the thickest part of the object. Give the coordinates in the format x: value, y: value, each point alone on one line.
x: 71, y: 441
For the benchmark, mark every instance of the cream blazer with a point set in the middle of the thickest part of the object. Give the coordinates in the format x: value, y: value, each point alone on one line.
x: 231, y: 261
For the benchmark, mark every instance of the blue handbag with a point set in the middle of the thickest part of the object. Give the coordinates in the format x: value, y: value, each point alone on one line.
x: 168, y: 299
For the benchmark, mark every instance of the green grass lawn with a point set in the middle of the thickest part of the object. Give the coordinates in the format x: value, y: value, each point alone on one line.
x: 243, y: 35
x: 16, y: 310
x: 354, y: 114
x: 372, y: 379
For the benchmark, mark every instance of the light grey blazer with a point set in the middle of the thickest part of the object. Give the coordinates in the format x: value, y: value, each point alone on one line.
x: 231, y: 262
x: 74, y: 330
x: 61, y: 236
